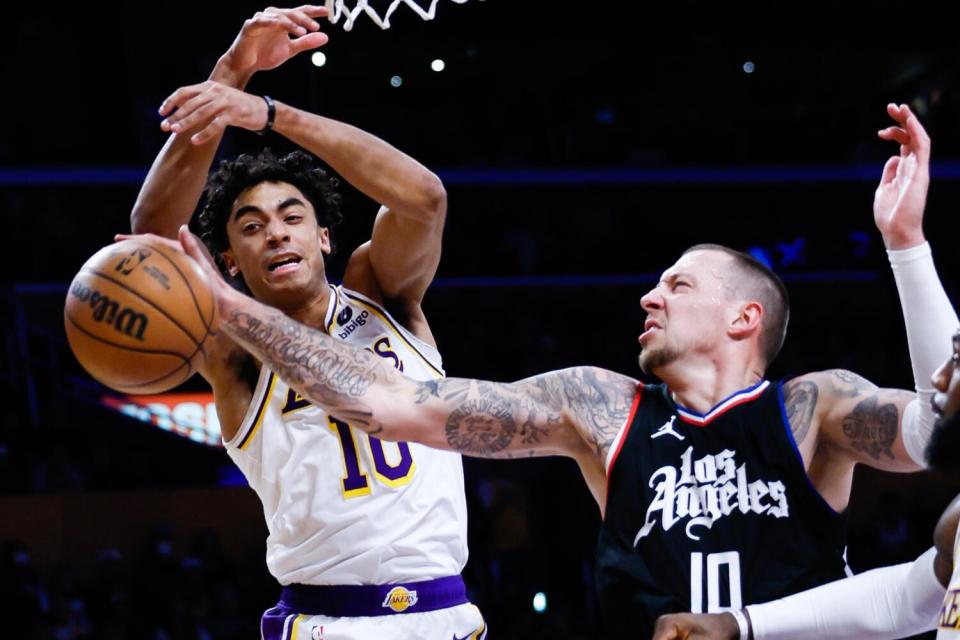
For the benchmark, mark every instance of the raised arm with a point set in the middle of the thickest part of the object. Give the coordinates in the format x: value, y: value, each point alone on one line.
x: 175, y: 182
x: 855, y: 420
x: 401, y: 259
x: 402, y: 256
x: 930, y: 319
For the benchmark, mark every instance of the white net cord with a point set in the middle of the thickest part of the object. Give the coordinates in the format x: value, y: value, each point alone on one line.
x: 339, y: 8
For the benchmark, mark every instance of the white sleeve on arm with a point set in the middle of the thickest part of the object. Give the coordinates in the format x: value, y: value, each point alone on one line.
x: 930, y: 321
x: 891, y: 602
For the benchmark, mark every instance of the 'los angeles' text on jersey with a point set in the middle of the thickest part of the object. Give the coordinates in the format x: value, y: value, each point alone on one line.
x: 697, y: 493
x: 709, y: 512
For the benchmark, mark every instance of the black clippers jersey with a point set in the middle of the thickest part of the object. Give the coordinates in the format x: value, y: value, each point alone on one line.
x: 709, y: 512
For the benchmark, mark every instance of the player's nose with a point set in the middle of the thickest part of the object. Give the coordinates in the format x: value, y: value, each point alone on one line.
x: 941, y: 377
x: 651, y: 300
x: 277, y: 232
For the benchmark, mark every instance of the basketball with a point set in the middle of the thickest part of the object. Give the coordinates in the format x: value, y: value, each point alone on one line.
x: 137, y: 316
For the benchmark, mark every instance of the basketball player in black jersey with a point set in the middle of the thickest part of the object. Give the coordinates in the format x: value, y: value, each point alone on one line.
x: 718, y: 488
x: 890, y: 602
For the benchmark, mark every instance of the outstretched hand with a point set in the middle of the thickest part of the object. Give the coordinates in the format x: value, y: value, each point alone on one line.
x: 902, y: 194
x: 273, y: 36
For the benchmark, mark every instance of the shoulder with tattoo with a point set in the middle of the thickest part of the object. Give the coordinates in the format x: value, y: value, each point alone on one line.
x: 857, y: 415
x: 601, y: 401
x: 800, y: 401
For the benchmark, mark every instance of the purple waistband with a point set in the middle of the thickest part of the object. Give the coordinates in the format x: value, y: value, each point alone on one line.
x: 374, y: 599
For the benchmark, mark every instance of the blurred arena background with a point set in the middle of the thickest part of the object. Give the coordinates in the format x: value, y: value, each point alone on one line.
x: 582, y: 149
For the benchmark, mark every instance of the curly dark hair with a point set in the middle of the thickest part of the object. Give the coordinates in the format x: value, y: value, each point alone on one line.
x: 232, y: 177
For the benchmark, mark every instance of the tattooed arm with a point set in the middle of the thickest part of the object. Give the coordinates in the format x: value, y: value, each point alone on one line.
x: 840, y: 412
x: 565, y: 412
x: 573, y: 412
x: 556, y: 413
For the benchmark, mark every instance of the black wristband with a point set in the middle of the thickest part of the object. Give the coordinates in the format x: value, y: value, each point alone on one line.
x: 271, y: 114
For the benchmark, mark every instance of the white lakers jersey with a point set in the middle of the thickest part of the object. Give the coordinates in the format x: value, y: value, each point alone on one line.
x: 343, y: 507
x: 948, y: 625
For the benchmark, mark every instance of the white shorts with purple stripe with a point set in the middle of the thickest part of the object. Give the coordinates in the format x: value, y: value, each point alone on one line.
x: 431, y: 609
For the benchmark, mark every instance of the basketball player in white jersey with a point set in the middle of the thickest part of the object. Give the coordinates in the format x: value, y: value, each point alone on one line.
x: 368, y: 538
x: 944, y: 454
x: 891, y: 602
x: 709, y: 336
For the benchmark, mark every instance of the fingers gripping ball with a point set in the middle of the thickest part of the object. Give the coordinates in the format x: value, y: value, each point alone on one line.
x: 138, y: 316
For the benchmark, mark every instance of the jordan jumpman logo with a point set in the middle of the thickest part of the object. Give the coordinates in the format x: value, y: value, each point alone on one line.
x: 667, y: 430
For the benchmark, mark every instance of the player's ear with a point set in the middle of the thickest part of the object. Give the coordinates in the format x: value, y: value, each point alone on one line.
x: 323, y: 235
x: 231, y: 263
x: 747, y: 321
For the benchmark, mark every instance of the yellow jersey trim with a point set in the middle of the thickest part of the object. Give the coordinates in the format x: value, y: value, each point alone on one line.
x: 387, y: 320
x: 261, y: 411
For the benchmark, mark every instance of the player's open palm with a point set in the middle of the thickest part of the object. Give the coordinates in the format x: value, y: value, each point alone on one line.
x: 902, y: 194
x: 692, y: 626
x: 273, y: 36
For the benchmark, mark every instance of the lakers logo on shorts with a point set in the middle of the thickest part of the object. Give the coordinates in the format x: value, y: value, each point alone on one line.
x: 399, y: 599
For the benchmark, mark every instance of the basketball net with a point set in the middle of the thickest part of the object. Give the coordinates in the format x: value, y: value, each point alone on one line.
x: 342, y: 8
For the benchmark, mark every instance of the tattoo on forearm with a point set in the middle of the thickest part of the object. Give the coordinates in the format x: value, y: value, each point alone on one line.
x: 800, y: 399
x: 872, y: 427
x: 331, y: 372
x: 479, y: 418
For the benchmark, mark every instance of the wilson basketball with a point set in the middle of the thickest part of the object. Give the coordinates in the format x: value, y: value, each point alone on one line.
x: 137, y: 316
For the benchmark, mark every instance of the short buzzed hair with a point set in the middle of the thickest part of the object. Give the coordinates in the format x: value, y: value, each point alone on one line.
x: 756, y: 281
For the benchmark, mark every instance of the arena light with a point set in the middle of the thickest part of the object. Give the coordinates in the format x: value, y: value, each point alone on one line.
x: 438, y: 65
x: 396, y: 81
x: 319, y: 58
x: 540, y: 602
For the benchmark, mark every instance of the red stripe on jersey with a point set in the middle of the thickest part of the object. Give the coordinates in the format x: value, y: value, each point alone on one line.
x: 624, y: 432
